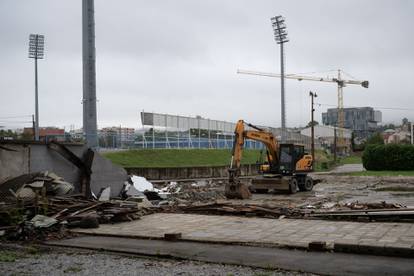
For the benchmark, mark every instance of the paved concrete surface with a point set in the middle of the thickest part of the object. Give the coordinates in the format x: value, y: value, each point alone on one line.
x: 347, y: 168
x: 313, y: 262
x: 260, y: 231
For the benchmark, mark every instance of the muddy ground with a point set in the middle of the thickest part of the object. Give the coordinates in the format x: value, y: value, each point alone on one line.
x: 333, y: 189
x: 347, y: 189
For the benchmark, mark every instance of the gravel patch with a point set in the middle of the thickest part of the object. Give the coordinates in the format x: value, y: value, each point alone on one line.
x: 71, y: 262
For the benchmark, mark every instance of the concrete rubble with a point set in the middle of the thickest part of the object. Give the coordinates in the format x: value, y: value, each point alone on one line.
x: 43, y: 205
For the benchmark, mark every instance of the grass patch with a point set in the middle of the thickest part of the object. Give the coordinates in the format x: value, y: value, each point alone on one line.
x: 8, y: 256
x: 153, y: 158
x: 72, y: 269
x: 382, y: 173
x: 353, y: 159
x: 323, y: 161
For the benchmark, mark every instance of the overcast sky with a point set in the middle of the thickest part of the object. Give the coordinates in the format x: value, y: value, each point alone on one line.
x: 181, y: 57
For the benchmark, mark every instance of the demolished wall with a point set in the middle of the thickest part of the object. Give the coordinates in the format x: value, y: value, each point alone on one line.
x: 22, y: 157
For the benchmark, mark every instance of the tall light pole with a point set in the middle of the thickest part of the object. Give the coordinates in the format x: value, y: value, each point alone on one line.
x: 312, y: 95
x: 280, y: 33
x: 36, y: 51
x: 90, y: 127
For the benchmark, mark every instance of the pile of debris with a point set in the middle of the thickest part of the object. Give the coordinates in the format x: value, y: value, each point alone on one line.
x: 172, y: 194
x: 248, y: 210
x: 371, y: 211
x: 40, y: 205
x: 372, y: 205
x: 31, y: 186
x: 200, y: 191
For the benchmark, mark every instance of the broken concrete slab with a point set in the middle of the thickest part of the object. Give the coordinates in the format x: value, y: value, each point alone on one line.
x: 40, y: 221
x: 105, y: 194
x: 141, y: 183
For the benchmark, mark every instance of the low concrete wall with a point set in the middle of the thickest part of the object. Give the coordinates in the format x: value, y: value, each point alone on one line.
x: 189, y: 172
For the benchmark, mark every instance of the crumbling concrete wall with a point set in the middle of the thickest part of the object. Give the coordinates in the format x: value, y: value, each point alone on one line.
x: 13, y: 163
x: 30, y: 157
x: 190, y: 172
x: 44, y: 159
x: 105, y: 173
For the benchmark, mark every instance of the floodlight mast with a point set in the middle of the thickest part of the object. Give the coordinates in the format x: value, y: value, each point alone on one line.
x: 280, y: 34
x: 36, y: 51
x: 90, y: 126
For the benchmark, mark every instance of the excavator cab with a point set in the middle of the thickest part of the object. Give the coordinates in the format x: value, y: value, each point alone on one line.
x: 293, y: 159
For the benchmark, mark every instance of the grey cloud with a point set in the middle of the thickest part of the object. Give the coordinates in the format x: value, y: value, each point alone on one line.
x: 180, y: 57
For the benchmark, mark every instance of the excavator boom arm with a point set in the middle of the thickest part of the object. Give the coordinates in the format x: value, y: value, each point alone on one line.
x: 267, y: 138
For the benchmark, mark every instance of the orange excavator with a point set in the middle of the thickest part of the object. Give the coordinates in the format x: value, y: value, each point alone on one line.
x: 286, y: 167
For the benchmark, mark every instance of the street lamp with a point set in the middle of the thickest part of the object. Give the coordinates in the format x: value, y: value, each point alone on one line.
x: 280, y: 33
x: 36, y: 51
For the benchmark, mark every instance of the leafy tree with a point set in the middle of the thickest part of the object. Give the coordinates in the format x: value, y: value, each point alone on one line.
x: 404, y: 121
x: 314, y: 123
x: 8, y: 133
x: 375, y: 139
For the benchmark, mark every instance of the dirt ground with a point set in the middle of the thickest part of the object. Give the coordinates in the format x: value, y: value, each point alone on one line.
x: 346, y: 189
x: 332, y: 190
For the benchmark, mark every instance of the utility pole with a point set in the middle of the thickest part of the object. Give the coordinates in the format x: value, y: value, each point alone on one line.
x: 36, y: 51
x: 334, y: 151
x: 33, y: 127
x: 312, y: 95
x: 280, y: 33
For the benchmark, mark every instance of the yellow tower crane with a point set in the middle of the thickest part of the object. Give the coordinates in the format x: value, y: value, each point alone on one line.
x: 339, y: 81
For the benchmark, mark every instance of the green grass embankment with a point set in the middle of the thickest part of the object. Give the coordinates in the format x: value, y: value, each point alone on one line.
x: 325, y: 161
x: 162, y: 158
x: 353, y: 159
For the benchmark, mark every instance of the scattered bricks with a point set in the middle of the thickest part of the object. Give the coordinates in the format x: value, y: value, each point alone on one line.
x: 172, y: 236
x: 317, y: 246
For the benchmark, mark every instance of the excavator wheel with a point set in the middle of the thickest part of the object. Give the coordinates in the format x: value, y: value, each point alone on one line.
x: 293, y: 185
x: 308, y: 186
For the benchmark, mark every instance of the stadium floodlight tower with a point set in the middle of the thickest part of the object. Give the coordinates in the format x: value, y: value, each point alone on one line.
x: 280, y: 33
x: 36, y: 51
x: 90, y: 127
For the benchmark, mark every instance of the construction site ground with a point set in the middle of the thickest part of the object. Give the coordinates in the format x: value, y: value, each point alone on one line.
x: 276, y: 231
x: 206, y: 236
x: 342, y: 189
x: 294, y: 233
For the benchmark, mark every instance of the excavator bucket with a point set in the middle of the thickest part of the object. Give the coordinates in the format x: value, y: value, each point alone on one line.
x: 234, y: 188
x: 237, y: 190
